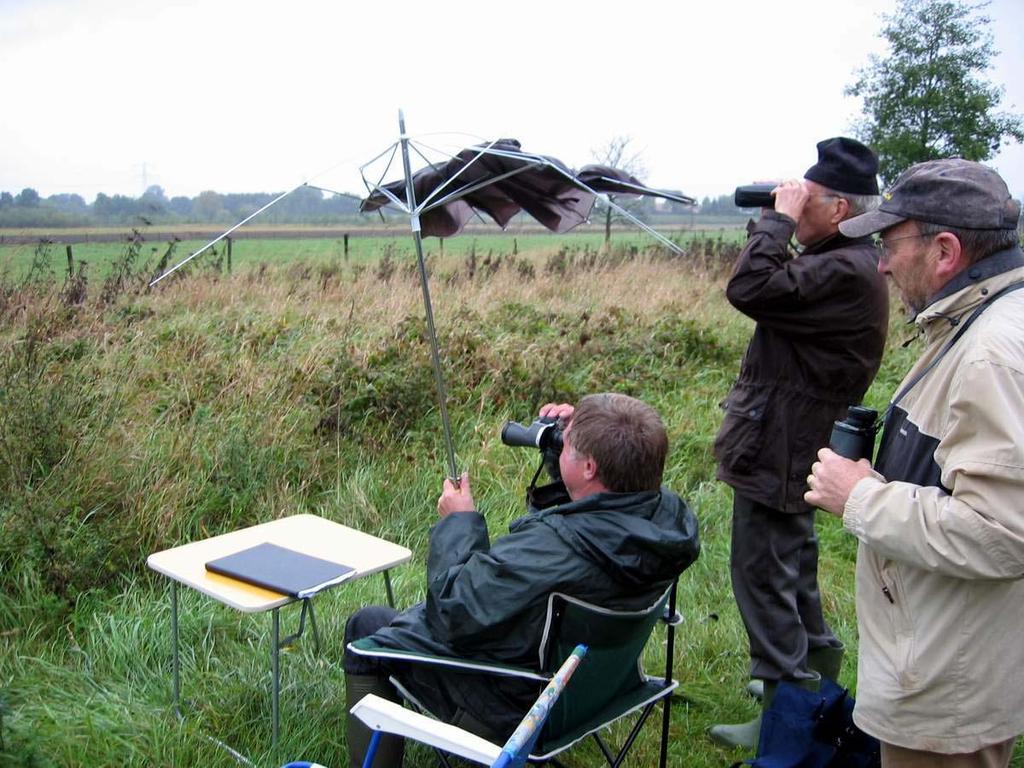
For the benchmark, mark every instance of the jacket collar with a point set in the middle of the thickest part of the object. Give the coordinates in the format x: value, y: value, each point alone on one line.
x: 971, y: 286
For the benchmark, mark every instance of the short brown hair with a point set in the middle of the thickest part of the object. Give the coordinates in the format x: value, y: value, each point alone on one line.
x: 625, y: 437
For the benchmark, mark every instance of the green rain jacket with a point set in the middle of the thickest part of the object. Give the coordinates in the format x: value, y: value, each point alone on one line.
x: 487, y: 600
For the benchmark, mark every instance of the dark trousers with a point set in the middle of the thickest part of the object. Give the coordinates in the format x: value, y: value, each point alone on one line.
x: 364, y: 623
x: 774, y: 568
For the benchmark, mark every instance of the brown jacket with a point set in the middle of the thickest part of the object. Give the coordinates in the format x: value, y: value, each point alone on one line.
x: 821, y: 320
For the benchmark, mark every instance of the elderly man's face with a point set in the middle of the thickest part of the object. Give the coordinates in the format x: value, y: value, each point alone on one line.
x: 820, y: 216
x: 908, y: 258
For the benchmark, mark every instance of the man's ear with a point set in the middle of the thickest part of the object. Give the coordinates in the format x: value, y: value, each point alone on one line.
x: 841, y: 212
x: 589, y: 468
x: 951, y: 258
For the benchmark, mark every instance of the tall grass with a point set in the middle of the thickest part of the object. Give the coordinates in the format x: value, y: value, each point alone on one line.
x: 139, y: 420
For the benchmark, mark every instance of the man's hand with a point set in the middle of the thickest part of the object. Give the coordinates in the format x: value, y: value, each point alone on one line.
x: 832, y: 479
x: 455, y: 498
x: 561, y: 411
x: 790, y: 198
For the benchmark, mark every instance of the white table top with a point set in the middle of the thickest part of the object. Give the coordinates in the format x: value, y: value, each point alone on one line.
x: 309, y: 534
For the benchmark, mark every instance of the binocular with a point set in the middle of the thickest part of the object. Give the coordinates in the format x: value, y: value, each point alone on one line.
x: 754, y: 196
x: 854, y: 437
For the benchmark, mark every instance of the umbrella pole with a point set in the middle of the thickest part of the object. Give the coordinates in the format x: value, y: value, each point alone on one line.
x: 442, y: 394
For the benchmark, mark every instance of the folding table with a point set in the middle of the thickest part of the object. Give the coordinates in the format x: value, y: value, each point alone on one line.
x: 309, y: 534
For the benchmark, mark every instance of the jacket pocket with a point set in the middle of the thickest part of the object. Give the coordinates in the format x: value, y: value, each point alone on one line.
x: 741, y: 437
x: 905, y: 660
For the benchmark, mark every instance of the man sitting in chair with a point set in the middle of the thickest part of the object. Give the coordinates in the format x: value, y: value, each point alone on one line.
x: 618, y: 539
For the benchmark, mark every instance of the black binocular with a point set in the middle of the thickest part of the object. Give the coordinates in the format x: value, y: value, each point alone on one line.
x: 543, y: 433
x: 754, y: 196
x: 854, y: 437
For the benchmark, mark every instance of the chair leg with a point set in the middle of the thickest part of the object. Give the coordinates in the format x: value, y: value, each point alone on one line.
x: 670, y: 648
x: 633, y: 734
x: 667, y: 707
x: 604, y: 749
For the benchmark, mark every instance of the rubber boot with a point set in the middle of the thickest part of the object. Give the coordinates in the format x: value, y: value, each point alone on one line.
x: 826, y: 661
x: 747, y: 734
x: 739, y: 734
x: 391, y: 748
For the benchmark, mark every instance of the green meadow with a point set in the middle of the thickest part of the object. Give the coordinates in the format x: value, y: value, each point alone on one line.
x: 146, y: 248
x: 133, y: 420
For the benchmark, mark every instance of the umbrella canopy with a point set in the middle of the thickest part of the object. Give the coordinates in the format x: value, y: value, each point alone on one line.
x: 499, y: 179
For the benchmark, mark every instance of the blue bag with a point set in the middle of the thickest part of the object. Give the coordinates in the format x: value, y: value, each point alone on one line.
x: 805, y: 729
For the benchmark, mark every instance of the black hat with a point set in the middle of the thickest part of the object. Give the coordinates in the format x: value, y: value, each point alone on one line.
x: 845, y: 165
x: 952, y: 192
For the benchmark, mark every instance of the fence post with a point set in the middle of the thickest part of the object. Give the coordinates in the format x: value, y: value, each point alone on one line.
x: 228, y: 238
x: 345, y: 237
x: 71, y: 262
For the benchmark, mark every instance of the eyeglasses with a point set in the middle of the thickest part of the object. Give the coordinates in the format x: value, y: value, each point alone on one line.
x: 884, y: 247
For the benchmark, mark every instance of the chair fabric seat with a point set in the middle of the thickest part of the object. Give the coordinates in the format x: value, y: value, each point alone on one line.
x: 609, y: 686
x: 648, y: 693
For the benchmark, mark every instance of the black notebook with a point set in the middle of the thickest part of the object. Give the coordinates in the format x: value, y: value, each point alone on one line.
x: 280, y: 569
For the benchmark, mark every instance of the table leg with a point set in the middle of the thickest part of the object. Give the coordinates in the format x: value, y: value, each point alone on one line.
x: 275, y: 651
x: 387, y: 586
x: 175, y: 661
x: 312, y: 622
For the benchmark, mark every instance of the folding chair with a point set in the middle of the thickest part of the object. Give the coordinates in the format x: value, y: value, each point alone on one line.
x: 383, y: 716
x: 611, y: 685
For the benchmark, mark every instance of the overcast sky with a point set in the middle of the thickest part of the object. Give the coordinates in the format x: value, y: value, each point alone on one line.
x: 245, y: 96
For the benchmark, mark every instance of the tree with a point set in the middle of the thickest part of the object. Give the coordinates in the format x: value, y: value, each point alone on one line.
x: 208, y: 206
x: 181, y: 206
x: 118, y: 208
x: 27, y: 198
x: 928, y: 98
x: 618, y: 154
x: 65, y: 201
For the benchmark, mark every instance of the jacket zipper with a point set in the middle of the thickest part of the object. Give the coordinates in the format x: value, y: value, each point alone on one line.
x: 888, y: 594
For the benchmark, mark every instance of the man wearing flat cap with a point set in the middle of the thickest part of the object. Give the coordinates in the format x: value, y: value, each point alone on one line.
x: 940, y: 517
x: 821, y: 320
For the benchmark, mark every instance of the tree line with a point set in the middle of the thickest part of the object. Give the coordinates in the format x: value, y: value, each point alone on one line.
x: 304, y: 206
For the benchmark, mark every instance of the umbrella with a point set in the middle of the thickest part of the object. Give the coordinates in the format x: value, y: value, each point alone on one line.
x: 497, y: 179
x: 500, y: 180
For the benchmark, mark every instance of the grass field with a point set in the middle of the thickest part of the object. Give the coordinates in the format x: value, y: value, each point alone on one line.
x: 135, y: 420
x: 147, y: 251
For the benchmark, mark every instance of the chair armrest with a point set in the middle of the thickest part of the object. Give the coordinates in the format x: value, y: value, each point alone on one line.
x: 382, y: 715
x: 366, y: 647
x: 674, y: 620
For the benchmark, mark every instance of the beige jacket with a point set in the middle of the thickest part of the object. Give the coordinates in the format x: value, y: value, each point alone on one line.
x: 940, y: 568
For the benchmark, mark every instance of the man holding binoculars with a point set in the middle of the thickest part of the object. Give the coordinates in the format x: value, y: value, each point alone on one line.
x: 940, y: 560
x: 614, y: 537
x: 821, y: 321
